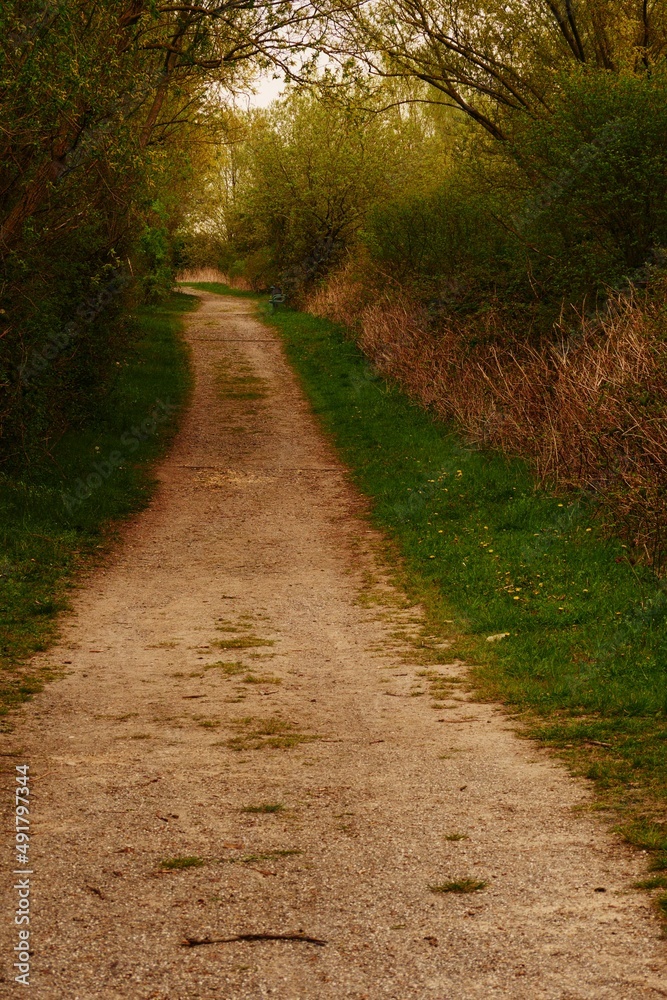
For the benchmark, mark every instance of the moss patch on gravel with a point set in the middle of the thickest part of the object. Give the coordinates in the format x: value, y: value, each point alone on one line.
x: 245, y: 642
x: 266, y: 808
x: 267, y: 734
x: 180, y: 864
x: 461, y: 885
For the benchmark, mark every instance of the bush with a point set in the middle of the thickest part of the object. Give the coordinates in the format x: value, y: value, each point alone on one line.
x: 572, y: 207
x: 595, y: 195
x: 446, y: 245
x: 589, y: 413
x: 157, y: 266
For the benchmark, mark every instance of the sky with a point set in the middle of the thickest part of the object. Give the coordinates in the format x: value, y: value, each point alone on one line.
x: 268, y: 90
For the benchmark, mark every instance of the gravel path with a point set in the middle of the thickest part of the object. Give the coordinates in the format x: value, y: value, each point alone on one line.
x: 245, y: 743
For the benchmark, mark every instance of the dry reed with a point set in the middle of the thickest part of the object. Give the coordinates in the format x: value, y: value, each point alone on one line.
x: 212, y: 274
x: 589, y: 410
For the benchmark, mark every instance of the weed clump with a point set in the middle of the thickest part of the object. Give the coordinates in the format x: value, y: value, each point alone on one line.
x: 461, y: 885
x: 178, y: 864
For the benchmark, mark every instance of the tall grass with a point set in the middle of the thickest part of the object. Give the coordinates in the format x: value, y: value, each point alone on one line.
x: 212, y: 275
x: 587, y: 407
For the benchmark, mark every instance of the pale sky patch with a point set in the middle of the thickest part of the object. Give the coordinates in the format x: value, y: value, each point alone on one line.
x: 267, y: 89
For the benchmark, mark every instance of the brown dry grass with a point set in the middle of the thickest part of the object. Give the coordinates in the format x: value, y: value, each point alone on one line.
x: 213, y: 274
x: 589, y: 409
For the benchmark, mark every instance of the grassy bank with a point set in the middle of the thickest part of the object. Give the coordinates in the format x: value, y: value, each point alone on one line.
x: 584, y: 657
x: 219, y: 288
x: 60, y: 513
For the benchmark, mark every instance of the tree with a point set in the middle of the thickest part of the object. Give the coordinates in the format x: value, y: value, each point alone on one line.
x: 504, y: 57
x: 311, y: 169
x: 103, y: 104
x: 72, y: 73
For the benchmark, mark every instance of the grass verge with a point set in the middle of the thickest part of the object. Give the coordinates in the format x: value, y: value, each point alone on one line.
x: 57, y: 516
x: 218, y: 288
x: 558, y: 621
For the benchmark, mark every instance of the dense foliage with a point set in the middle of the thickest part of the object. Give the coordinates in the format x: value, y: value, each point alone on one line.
x: 571, y: 203
x: 103, y: 109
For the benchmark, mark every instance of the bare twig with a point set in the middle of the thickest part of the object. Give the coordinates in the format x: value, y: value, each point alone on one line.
x: 193, y: 942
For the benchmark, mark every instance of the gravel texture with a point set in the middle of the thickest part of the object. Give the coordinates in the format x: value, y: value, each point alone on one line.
x: 149, y: 751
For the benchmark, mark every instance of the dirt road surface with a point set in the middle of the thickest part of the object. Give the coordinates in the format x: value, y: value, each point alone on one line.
x: 245, y: 743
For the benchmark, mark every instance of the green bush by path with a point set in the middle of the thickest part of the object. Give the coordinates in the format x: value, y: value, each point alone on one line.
x: 585, y: 657
x: 573, y: 207
x: 58, y: 513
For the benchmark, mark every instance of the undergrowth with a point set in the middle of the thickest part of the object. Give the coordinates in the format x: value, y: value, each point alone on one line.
x: 584, y: 404
x: 60, y: 512
x: 219, y: 288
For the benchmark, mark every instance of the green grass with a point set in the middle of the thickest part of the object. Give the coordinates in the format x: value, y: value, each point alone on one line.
x: 246, y: 642
x: 263, y: 734
x: 179, y: 864
x: 271, y: 807
x: 46, y: 532
x: 239, y: 383
x: 251, y: 859
x: 228, y: 669
x: 251, y: 678
x: 218, y: 288
x: 460, y: 885
x: 656, y: 882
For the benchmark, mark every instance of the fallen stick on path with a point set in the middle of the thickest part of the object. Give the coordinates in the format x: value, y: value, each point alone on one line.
x: 193, y: 942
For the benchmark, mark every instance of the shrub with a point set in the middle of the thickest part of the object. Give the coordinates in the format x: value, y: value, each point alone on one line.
x: 589, y: 412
